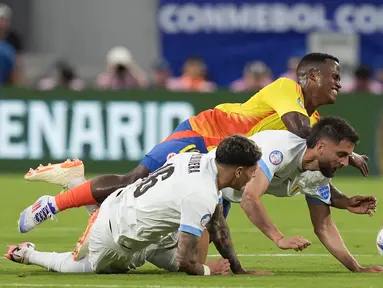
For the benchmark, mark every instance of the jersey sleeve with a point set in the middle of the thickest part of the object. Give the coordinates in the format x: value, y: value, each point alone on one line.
x: 279, y: 148
x: 196, y: 212
x: 285, y: 96
x: 271, y: 162
x: 314, y: 118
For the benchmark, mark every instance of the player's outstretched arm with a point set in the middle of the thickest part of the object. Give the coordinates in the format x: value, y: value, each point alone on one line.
x: 253, y: 207
x: 188, y: 258
x: 255, y: 210
x: 330, y: 237
x: 355, y: 204
x: 220, y: 235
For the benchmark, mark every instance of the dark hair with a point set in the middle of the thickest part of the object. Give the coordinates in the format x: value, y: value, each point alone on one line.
x: 333, y: 128
x: 238, y: 150
x: 313, y: 59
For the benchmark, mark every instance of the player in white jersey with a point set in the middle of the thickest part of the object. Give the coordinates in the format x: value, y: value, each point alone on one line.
x: 291, y: 165
x: 136, y: 220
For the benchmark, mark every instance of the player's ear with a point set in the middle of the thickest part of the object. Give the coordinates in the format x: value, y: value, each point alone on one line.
x: 320, y: 146
x: 238, y: 172
x: 313, y: 75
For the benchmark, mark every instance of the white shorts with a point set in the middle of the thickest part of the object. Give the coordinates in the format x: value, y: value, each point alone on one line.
x: 105, y: 255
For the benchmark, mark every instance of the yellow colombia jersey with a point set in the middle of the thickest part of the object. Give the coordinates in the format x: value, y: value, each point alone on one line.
x: 261, y: 112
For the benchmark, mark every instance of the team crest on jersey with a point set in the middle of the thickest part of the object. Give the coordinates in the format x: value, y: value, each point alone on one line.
x: 205, y: 220
x: 300, y: 102
x: 276, y: 157
x: 324, y: 192
x: 170, y: 155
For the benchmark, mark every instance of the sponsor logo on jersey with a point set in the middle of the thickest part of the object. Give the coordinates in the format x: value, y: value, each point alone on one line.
x: 205, y: 220
x: 276, y: 157
x: 300, y: 102
x: 324, y: 192
x: 170, y: 155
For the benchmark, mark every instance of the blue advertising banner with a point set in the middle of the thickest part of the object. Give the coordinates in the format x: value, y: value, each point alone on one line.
x: 230, y: 33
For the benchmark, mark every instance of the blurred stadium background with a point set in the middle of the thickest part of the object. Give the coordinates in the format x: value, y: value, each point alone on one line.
x: 105, y: 81
x: 167, y: 60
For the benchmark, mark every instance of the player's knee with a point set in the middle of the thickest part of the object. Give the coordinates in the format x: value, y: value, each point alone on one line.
x: 164, y: 259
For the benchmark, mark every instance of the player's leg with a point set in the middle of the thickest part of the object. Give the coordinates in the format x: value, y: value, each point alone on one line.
x: 181, y: 140
x: 163, y: 254
x: 90, y: 192
x: 205, y: 238
x: 71, y: 174
x: 82, y: 195
x: 164, y: 258
x: 104, y: 254
x: 59, y: 262
x: 68, y: 174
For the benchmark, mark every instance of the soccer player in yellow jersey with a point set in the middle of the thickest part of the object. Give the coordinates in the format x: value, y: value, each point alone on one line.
x: 284, y: 104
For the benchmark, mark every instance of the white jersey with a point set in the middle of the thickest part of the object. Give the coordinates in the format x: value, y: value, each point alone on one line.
x: 182, y: 195
x: 282, y: 154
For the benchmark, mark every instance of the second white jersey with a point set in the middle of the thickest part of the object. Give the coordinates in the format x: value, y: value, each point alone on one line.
x: 180, y: 195
x: 282, y: 154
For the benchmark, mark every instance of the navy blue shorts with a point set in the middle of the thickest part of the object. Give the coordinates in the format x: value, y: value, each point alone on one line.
x: 183, y: 139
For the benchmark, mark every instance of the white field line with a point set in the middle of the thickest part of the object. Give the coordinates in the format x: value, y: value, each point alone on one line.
x: 47, y: 285
x: 288, y: 255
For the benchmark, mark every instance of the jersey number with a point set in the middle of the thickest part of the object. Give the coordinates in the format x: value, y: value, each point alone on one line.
x: 162, y: 173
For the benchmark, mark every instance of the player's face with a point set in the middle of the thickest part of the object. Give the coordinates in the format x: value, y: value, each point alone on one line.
x: 242, y: 176
x: 329, y: 82
x: 333, y: 156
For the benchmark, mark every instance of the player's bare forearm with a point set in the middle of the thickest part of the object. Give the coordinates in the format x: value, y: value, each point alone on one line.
x: 338, y: 199
x: 297, y: 123
x: 328, y: 234
x: 220, y: 235
x: 188, y: 254
x: 256, y: 212
x: 333, y: 242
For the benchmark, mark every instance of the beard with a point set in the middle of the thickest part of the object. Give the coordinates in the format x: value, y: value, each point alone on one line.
x: 326, y: 169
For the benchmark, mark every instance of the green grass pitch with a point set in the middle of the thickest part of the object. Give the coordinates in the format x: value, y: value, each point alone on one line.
x: 311, y: 268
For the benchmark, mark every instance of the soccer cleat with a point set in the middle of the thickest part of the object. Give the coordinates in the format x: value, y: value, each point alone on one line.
x: 20, y: 253
x: 60, y: 174
x: 36, y: 214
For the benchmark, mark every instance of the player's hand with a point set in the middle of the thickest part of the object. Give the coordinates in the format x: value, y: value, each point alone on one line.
x: 362, y: 205
x: 219, y: 267
x: 372, y: 269
x: 298, y: 243
x: 360, y: 162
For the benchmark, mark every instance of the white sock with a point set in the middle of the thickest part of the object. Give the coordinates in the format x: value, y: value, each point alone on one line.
x: 52, y: 202
x: 76, y: 182
x: 60, y: 262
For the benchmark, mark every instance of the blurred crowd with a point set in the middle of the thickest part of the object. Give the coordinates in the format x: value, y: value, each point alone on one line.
x: 124, y: 73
